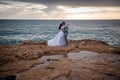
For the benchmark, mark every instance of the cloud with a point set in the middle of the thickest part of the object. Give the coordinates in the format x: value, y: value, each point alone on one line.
x: 91, y: 12
x: 94, y: 16
x: 57, y: 9
x: 4, y: 3
x: 89, y: 9
x: 18, y: 9
x: 76, y: 3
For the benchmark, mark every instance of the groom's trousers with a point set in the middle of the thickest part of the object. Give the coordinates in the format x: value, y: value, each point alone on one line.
x: 66, y: 40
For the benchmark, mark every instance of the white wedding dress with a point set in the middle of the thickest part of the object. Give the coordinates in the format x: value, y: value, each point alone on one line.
x: 58, y: 40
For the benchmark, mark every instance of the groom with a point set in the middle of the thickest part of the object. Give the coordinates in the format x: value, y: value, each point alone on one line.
x: 65, y: 30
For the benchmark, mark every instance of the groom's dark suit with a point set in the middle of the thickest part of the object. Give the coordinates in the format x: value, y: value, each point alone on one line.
x: 65, y: 30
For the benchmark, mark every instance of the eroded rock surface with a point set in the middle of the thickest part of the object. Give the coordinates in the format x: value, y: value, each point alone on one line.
x: 80, y: 60
x: 94, y: 66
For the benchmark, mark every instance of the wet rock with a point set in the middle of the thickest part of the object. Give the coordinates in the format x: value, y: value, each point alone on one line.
x: 80, y: 68
x: 55, y: 59
x: 60, y: 78
x: 80, y: 60
x: 11, y: 77
x: 48, y: 59
x: 50, y: 68
x: 15, y: 67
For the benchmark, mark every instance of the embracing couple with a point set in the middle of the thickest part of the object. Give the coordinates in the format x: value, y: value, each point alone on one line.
x: 61, y: 38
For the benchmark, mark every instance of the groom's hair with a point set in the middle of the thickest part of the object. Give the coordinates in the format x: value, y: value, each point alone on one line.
x: 63, y: 22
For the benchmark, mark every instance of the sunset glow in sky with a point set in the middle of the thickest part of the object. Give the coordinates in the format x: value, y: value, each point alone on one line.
x: 57, y: 9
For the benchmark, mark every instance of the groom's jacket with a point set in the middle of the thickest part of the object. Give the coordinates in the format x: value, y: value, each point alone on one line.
x: 65, y: 30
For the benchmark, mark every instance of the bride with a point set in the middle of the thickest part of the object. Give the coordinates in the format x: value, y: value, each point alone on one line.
x: 59, y: 39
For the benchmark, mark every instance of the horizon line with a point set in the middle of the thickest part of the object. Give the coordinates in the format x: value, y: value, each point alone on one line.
x: 59, y: 19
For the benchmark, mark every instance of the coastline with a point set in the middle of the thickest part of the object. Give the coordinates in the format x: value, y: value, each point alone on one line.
x: 20, y: 58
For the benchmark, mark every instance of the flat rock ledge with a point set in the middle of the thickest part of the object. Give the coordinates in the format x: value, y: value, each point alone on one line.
x: 80, y: 60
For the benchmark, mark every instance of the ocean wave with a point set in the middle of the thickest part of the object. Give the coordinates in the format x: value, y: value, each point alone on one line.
x: 12, y: 32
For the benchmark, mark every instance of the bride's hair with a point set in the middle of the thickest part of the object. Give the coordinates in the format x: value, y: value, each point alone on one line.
x: 61, y: 25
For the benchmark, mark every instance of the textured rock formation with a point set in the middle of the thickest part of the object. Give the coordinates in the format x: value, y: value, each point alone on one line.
x: 80, y: 60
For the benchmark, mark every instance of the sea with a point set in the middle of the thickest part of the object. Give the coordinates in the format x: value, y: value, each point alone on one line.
x: 16, y: 31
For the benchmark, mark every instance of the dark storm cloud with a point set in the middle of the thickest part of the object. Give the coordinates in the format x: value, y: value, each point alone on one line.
x: 76, y: 2
x: 4, y: 3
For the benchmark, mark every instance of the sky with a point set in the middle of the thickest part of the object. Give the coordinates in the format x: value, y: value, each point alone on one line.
x: 60, y: 9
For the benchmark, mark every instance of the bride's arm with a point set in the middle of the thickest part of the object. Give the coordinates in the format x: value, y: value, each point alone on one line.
x: 65, y: 28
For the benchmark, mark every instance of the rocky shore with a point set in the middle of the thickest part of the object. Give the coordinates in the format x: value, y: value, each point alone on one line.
x: 80, y: 60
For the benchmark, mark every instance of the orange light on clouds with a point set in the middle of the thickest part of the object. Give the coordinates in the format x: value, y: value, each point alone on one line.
x: 100, y: 16
x: 91, y: 12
